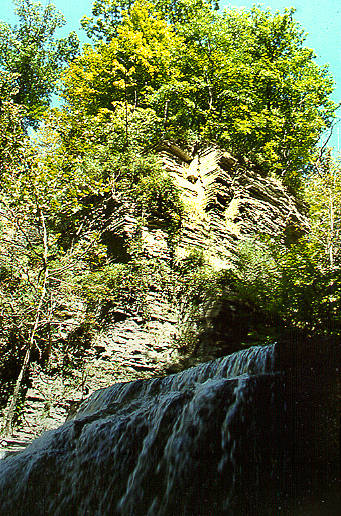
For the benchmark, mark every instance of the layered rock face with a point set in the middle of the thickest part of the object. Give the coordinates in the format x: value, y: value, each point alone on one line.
x: 229, y: 202
x: 226, y: 202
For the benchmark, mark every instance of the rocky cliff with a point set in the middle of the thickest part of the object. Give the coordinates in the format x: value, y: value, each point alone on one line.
x: 225, y: 203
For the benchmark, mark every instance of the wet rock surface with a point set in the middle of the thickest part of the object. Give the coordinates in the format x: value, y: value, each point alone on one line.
x: 154, y: 447
x: 220, y: 438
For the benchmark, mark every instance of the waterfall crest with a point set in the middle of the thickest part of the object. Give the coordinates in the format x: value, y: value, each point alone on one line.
x: 201, y: 442
x: 254, y: 360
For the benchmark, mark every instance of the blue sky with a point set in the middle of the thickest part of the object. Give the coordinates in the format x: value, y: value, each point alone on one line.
x: 320, y: 19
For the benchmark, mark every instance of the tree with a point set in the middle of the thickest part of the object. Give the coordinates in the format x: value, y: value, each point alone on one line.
x: 34, y: 269
x: 323, y: 192
x: 107, y: 15
x: 22, y: 226
x: 31, y: 51
x: 11, y: 132
x: 255, y: 88
x: 128, y: 69
x: 242, y: 79
x: 37, y: 266
x: 289, y: 104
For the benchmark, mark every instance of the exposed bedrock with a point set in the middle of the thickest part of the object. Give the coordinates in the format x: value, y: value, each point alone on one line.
x: 226, y: 203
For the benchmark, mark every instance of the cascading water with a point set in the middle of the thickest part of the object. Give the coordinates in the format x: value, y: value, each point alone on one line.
x: 255, y: 360
x: 208, y: 441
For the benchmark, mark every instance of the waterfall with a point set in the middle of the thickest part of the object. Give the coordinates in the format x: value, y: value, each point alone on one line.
x: 255, y: 360
x: 210, y: 440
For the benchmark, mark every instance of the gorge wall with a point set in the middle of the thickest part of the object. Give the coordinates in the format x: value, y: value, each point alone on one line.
x: 225, y: 203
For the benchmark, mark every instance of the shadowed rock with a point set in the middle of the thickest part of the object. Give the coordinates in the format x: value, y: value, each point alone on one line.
x: 215, y: 439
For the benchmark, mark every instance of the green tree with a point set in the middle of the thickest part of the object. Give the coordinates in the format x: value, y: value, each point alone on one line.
x: 34, y: 269
x: 38, y: 262
x: 243, y: 79
x: 11, y: 131
x: 31, y: 51
x: 323, y: 192
x: 254, y: 88
x: 85, y: 160
x: 22, y: 234
x: 288, y: 104
x: 107, y: 15
x: 138, y: 61
x: 300, y: 284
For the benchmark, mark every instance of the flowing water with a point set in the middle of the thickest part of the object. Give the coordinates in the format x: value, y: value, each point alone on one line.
x: 208, y: 441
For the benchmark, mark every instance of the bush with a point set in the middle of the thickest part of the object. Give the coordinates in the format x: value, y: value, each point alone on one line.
x: 291, y: 285
x: 122, y: 287
x: 158, y: 199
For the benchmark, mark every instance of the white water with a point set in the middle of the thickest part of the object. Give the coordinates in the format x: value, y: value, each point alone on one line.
x: 255, y: 360
x: 199, y: 443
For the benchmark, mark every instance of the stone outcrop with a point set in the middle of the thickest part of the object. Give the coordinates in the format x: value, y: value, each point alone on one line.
x: 228, y: 202
x: 225, y: 202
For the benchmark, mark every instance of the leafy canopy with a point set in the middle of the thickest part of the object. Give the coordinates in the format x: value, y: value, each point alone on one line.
x: 107, y: 15
x: 32, y: 52
x: 241, y: 79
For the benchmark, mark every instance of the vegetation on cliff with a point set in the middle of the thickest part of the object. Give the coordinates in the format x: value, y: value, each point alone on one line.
x: 179, y: 72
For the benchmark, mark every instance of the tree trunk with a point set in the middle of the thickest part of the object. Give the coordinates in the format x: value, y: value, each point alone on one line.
x: 10, y: 416
x: 9, y: 420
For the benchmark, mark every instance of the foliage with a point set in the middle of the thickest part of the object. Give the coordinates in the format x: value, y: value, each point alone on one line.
x: 85, y: 160
x: 121, y: 288
x: 256, y: 88
x: 258, y: 276
x: 201, y: 289
x: 295, y: 287
x: 139, y: 60
x: 242, y: 79
x: 159, y: 200
x: 323, y: 193
x: 34, y: 269
x: 289, y: 286
x: 11, y: 133
x: 218, y: 314
x: 107, y: 15
x: 11, y: 356
x: 31, y: 52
